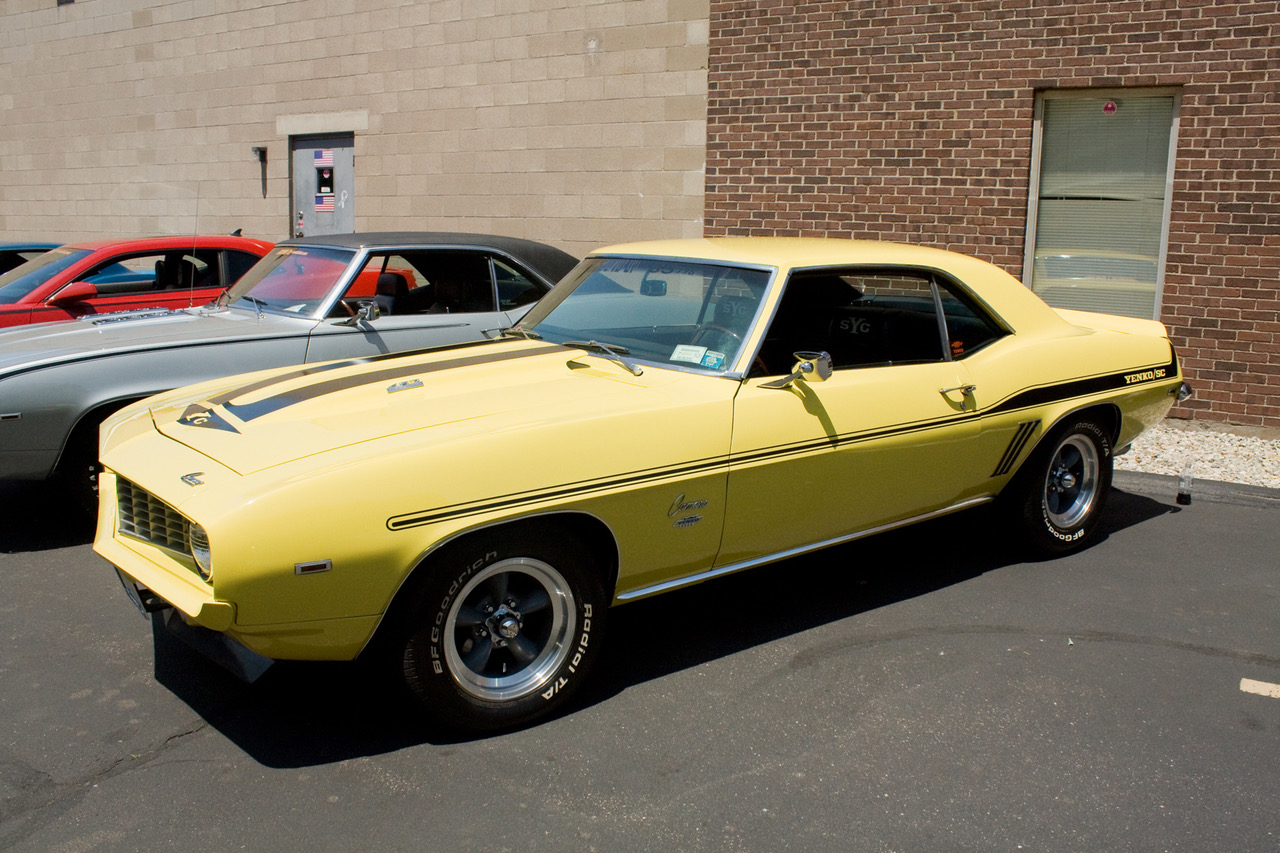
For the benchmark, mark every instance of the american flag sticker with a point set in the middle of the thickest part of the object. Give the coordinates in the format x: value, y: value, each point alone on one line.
x: 324, y: 204
x: 324, y: 158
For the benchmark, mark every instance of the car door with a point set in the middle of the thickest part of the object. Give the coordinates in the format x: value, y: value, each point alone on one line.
x: 888, y: 436
x: 425, y: 298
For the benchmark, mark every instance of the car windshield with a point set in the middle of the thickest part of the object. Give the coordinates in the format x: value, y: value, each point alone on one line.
x: 294, y: 280
x: 675, y: 313
x: 20, y: 281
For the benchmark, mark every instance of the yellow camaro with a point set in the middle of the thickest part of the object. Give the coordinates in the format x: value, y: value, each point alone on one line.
x: 679, y: 410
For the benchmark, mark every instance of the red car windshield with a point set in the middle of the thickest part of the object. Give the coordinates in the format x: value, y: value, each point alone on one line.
x: 20, y: 281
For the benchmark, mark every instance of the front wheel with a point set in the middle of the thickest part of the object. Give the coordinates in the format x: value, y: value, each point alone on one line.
x: 503, y: 630
x: 78, y: 469
x: 1064, y: 487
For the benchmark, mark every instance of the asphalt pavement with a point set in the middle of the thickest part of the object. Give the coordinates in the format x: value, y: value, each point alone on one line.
x: 926, y: 690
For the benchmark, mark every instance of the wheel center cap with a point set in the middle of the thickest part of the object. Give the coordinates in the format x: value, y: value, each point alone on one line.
x: 507, y: 627
x: 1061, y: 479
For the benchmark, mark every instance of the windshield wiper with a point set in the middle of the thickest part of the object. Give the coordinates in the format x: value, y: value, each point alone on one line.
x: 513, y: 332
x: 613, y: 352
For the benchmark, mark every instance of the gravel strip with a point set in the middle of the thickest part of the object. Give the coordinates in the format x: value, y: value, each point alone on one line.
x: 1213, y: 451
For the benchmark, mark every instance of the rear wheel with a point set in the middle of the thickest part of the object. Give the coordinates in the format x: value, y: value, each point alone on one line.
x: 502, y: 630
x: 1064, y: 486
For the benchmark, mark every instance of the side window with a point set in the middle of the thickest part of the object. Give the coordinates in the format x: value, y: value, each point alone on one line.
x: 514, y: 287
x: 456, y: 283
x: 426, y: 282
x: 118, y: 276
x: 969, y: 329
x: 156, y: 272
x: 863, y: 318
x: 237, y: 264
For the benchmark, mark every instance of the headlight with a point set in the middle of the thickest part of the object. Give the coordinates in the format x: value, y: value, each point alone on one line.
x: 198, y: 541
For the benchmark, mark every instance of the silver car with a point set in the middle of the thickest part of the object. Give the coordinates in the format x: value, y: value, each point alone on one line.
x: 310, y: 300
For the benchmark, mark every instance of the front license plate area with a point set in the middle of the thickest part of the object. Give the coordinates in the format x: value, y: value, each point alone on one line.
x: 132, y: 591
x: 145, y: 600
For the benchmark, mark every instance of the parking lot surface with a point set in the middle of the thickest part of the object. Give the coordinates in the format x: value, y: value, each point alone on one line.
x: 922, y: 690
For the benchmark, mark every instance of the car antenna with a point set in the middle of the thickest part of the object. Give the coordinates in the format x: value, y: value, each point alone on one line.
x: 195, y: 239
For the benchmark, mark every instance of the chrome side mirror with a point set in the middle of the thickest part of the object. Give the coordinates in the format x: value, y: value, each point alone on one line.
x: 810, y: 366
x: 366, y: 311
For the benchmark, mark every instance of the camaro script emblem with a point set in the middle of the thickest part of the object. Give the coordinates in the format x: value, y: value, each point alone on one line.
x: 680, y: 506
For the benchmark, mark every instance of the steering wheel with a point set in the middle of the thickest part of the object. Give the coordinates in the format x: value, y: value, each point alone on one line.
x: 715, y: 337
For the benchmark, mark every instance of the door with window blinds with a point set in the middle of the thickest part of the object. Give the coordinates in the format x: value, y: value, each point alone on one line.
x: 1101, y: 209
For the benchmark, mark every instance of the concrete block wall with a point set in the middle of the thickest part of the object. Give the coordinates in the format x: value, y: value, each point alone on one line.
x: 912, y: 121
x: 576, y: 122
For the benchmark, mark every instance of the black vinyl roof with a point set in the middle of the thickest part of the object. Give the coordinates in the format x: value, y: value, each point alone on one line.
x: 547, y: 260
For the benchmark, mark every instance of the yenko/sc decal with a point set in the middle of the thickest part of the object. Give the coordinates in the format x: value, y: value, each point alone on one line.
x: 1144, y: 376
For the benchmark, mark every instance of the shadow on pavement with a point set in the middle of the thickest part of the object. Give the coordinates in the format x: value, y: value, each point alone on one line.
x: 40, y: 517
x: 303, y: 714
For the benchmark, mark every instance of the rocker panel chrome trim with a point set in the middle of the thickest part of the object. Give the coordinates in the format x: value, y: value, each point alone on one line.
x: 665, y: 586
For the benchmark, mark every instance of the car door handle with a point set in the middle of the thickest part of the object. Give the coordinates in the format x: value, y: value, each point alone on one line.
x: 965, y: 390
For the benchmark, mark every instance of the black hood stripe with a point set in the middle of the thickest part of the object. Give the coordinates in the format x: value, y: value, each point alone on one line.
x: 249, y: 411
x: 326, y: 366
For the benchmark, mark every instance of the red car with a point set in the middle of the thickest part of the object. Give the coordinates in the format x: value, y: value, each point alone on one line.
x: 79, y: 279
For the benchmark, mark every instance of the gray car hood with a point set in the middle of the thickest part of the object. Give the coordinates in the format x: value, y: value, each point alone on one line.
x: 45, y: 344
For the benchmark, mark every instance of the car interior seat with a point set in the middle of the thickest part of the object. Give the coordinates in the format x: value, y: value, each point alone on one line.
x: 392, y: 293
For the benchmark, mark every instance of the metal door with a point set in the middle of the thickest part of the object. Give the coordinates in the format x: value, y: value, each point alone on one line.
x: 323, y: 185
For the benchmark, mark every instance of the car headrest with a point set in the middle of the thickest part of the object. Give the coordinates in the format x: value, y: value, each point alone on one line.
x: 734, y: 312
x: 392, y: 284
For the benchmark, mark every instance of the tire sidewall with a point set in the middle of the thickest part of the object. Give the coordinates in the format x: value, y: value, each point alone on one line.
x: 78, y: 470
x: 426, y: 666
x: 1041, y: 532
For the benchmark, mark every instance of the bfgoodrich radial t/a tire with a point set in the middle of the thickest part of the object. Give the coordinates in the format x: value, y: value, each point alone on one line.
x: 503, y: 630
x: 1064, y: 487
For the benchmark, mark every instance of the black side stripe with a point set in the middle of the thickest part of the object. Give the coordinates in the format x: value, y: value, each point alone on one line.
x: 832, y: 442
x: 585, y: 487
x: 1035, y: 396
x: 1020, y: 436
x: 1086, y: 387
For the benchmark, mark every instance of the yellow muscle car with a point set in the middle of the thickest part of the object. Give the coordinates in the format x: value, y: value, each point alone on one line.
x: 687, y: 409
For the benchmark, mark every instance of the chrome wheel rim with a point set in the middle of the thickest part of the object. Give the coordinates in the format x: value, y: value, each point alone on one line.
x: 509, y: 629
x: 1071, y: 486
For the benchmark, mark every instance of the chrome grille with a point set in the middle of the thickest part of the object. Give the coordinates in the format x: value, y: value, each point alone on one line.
x: 146, y: 517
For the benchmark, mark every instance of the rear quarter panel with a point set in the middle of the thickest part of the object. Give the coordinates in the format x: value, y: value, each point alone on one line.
x: 1037, y: 380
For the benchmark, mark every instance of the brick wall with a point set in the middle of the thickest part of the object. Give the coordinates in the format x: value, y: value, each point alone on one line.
x: 912, y: 121
x: 577, y: 122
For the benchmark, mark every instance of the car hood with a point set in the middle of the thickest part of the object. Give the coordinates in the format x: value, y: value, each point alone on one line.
x: 89, y: 337
x: 280, y: 416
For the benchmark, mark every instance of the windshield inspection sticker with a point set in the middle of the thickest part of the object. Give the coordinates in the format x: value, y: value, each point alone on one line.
x: 713, y: 360
x: 689, y: 353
